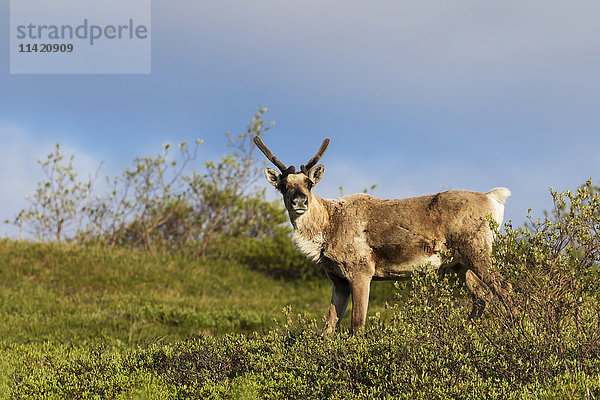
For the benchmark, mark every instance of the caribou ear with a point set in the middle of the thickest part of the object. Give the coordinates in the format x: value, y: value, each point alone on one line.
x: 272, y: 176
x: 316, y: 173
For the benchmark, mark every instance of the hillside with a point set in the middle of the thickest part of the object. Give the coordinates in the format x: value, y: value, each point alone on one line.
x: 66, y: 293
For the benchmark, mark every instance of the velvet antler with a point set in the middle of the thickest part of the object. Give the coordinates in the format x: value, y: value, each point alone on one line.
x: 284, y: 170
x: 313, y: 161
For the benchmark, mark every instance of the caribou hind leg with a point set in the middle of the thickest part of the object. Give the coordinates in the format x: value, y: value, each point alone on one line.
x: 482, y: 292
x: 481, y: 282
x: 479, y: 291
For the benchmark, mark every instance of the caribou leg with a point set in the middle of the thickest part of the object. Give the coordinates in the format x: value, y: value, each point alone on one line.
x: 361, y: 286
x: 480, y: 292
x: 340, y: 295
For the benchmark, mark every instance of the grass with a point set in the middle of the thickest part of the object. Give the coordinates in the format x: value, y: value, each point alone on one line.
x: 75, y: 321
x: 69, y: 294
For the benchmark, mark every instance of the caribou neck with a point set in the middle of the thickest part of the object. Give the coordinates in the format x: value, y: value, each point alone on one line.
x: 309, y: 229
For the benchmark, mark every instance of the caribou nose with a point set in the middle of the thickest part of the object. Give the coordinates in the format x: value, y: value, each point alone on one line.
x: 299, y: 201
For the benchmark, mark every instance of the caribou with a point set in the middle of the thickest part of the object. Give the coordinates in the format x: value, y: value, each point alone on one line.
x: 360, y: 238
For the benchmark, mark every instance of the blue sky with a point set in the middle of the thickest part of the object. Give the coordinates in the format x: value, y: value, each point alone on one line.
x: 416, y: 96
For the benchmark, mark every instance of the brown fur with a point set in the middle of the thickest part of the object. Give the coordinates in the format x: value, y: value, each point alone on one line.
x: 360, y: 238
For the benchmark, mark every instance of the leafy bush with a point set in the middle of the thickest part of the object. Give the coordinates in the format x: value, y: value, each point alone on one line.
x: 141, y: 201
x: 553, y: 267
x: 159, y: 204
x: 58, y: 202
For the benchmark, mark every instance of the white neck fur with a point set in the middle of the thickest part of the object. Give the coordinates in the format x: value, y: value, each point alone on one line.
x: 308, y: 236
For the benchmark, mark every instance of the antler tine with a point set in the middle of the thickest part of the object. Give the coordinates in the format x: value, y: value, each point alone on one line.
x: 313, y: 161
x: 259, y: 143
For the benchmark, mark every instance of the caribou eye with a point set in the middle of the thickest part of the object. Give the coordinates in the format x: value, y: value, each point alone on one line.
x: 309, y: 184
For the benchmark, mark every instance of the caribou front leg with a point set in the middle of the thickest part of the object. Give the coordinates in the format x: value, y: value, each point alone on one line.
x: 361, y: 285
x: 339, y: 301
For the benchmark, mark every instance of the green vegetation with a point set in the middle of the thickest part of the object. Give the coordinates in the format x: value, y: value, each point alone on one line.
x: 70, y: 294
x: 72, y: 317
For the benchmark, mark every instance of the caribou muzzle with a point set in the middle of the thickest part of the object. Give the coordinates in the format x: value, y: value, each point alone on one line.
x: 299, y: 203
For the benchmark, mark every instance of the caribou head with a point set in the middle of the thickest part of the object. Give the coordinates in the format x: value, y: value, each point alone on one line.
x: 296, y: 187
